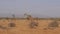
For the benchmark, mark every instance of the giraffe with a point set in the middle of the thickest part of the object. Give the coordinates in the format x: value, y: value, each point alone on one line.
x: 33, y: 24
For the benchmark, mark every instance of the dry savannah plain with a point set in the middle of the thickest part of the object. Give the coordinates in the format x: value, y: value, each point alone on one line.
x: 22, y: 27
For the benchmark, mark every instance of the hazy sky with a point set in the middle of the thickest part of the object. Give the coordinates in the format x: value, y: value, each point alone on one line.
x: 35, y: 7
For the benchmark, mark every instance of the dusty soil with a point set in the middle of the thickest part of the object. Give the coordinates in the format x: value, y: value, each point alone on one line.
x: 22, y: 27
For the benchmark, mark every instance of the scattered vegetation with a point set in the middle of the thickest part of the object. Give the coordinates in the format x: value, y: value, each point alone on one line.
x: 53, y: 25
x: 12, y: 24
x: 2, y: 27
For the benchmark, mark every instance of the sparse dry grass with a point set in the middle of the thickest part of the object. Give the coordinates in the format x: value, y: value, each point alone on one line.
x: 22, y: 27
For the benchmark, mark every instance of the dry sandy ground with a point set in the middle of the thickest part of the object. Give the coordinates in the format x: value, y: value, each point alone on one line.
x: 22, y: 27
